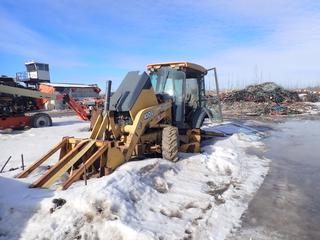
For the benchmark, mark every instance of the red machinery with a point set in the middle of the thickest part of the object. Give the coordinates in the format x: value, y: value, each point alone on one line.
x: 19, y: 107
x: 22, y: 105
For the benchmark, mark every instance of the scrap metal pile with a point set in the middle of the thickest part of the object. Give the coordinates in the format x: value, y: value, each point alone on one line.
x: 264, y: 92
x: 263, y: 99
x: 312, y: 97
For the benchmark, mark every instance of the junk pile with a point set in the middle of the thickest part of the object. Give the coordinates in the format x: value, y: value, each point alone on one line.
x: 263, y: 99
x: 312, y: 97
x: 262, y: 93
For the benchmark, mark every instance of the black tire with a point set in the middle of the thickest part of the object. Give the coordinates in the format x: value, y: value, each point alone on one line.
x: 40, y: 120
x: 170, y: 143
x: 198, y: 118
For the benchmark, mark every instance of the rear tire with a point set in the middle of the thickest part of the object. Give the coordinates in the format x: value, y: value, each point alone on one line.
x: 40, y: 120
x: 198, y: 118
x: 170, y: 143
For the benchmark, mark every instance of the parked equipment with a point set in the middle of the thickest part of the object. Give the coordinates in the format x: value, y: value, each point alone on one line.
x: 22, y: 106
x: 159, y: 113
x: 19, y: 107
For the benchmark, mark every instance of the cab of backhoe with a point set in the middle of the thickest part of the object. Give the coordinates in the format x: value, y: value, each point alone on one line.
x: 183, y: 82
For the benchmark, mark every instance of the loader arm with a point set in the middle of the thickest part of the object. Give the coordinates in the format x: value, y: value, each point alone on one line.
x: 145, y: 118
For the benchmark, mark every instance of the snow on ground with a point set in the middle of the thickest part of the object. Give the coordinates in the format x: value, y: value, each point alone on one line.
x: 200, y: 197
x: 317, y: 104
x: 314, y: 109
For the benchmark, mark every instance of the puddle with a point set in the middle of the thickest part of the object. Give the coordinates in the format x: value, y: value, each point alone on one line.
x: 287, y: 206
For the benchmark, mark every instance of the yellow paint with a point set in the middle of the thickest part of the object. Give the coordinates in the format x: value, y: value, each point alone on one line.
x: 30, y: 169
x: 96, y: 126
x: 102, y: 127
x: 143, y: 117
x: 147, y: 98
x: 68, y: 165
x: 193, y: 147
x: 194, y: 135
x: 114, y: 158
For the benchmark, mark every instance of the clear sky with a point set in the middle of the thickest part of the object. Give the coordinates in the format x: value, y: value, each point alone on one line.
x: 92, y: 41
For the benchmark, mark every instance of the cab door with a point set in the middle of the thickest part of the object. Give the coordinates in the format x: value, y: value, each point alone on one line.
x: 175, y: 86
x: 171, y: 82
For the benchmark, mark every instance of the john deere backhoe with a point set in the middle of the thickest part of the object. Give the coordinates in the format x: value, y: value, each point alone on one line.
x: 149, y: 114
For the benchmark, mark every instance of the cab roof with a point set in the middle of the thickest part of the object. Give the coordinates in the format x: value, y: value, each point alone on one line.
x: 189, y: 65
x: 34, y: 62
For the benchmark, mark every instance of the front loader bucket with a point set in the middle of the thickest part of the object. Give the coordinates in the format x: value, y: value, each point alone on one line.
x: 78, y: 172
x: 30, y: 169
x: 63, y: 164
x: 76, y: 157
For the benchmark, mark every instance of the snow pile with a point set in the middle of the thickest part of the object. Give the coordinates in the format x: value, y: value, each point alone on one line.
x: 200, y: 197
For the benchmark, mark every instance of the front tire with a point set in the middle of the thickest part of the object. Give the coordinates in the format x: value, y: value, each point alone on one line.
x: 40, y: 120
x: 170, y: 143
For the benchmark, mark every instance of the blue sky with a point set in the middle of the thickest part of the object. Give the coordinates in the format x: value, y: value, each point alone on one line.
x: 92, y: 41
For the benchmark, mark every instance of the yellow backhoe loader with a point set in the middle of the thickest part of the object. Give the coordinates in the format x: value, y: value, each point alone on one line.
x: 149, y: 114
